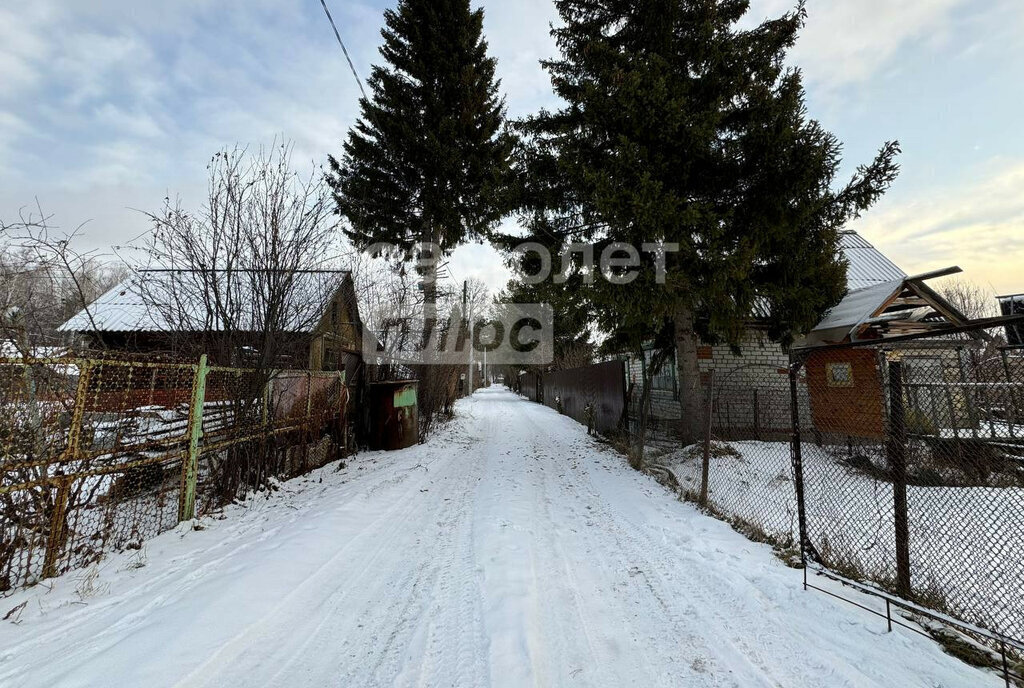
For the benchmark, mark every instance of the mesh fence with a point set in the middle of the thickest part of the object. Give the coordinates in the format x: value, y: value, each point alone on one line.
x: 98, y: 455
x: 914, y: 475
x: 910, y: 459
x: 740, y: 467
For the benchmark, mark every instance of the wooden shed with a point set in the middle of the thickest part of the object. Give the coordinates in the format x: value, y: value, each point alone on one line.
x: 845, y: 379
x: 846, y: 392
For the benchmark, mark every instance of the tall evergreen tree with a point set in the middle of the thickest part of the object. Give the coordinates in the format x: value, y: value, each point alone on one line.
x: 680, y: 126
x: 573, y: 344
x: 427, y: 158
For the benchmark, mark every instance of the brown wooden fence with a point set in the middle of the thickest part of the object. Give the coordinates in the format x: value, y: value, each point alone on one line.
x: 98, y: 455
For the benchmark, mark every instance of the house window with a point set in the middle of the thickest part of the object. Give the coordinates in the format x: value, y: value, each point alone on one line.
x: 664, y: 378
x: 839, y: 374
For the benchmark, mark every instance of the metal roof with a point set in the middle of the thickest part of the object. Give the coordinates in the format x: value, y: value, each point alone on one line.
x: 161, y: 301
x: 856, y: 307
x: 867, y: 265
x: 901, y: 307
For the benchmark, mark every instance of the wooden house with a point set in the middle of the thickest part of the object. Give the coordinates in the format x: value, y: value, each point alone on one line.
x: 158, y: 311
x: 158, y: 315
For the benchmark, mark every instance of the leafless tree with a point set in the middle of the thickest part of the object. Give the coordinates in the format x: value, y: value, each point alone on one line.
x: 246, y: 276
x: 390, y: 294
x: 977, y: 302
x: 970, y: 298
x: 44, y: 280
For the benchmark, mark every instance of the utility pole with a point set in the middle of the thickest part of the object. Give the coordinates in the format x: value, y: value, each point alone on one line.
x: 465, y: 314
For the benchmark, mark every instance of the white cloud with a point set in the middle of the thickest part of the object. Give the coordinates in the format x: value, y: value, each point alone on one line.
x: 519, y: 37
x: 137, y: 96
x: 23, y: 46
x: 848, y: 41
x: 978, y: 226
x: 115, y: 103
x: 12, y: 128
x: 134, y: 121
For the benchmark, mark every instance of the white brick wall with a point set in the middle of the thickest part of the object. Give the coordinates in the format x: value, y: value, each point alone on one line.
x: 762, y: 365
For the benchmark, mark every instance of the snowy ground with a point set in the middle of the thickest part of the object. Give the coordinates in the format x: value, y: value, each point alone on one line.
x: 965, y: 542
x: 512, y: 550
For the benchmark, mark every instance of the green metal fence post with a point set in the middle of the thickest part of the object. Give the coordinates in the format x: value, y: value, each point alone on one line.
x: 190, y: 464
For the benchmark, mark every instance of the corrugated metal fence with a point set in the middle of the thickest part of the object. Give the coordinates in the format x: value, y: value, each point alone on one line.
x: 595, y: 395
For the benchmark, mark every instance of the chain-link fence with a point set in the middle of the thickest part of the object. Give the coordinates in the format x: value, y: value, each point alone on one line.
x: 96, y: 455
x: 739, y: 467
x: 913, y: 474
x: 902, y: 465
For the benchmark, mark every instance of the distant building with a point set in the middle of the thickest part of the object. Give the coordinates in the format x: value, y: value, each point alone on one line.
x: 156, y: 312
x: 1013, y: 305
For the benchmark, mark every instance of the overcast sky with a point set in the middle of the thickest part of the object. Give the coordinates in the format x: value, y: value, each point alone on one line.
x: 110, y: 105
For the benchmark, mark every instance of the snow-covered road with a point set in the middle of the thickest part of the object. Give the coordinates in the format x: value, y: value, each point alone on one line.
x: 512, y: 550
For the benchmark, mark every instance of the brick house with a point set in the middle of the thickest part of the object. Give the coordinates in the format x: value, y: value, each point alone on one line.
x: 883, y: 305
x: 752, y: 389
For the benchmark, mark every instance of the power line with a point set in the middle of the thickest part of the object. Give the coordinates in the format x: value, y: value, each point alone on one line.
x: 337, y: 35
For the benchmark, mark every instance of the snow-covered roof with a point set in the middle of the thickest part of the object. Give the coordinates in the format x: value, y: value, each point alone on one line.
x: 162, y: 301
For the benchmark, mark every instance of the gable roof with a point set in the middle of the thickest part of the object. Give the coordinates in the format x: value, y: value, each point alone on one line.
x: 866, y: 267
x: 897, y: 308
x: 145, y: 301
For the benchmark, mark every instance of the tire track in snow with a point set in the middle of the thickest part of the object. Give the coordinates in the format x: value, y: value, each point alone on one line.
x: 709, y: 604
x: 451, y: 634
x: 305, y: 638
x: 660, y: 617
x: 530, y: 556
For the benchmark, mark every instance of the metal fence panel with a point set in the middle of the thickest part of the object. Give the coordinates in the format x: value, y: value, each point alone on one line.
x: 595, y: 395
x: 97, y: 455
x: 744, y: 457
x: 919, y: 490
x: 530, y: 386
x: 900, y: 466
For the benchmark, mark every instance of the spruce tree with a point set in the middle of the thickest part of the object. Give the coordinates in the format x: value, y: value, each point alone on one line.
x: 680, y: 126
x: 427, y: 159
